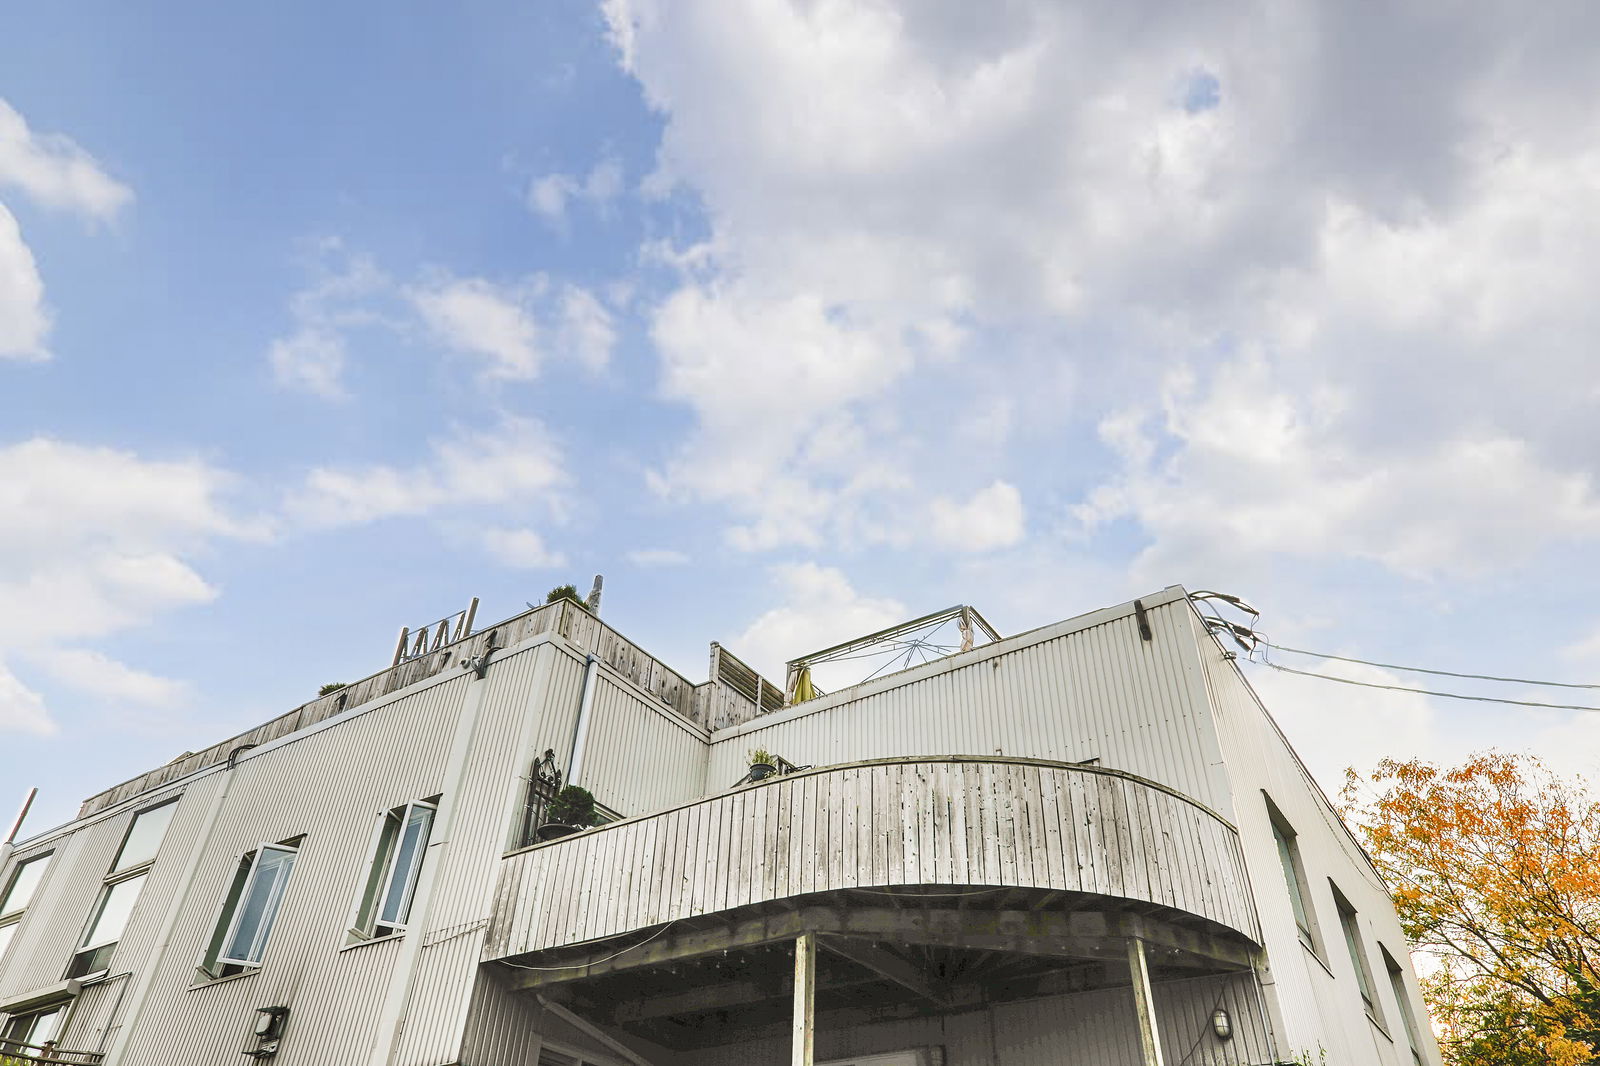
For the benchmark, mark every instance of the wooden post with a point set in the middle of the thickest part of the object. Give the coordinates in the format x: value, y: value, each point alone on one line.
x: 805, y: 997
x: 1149, y: 1038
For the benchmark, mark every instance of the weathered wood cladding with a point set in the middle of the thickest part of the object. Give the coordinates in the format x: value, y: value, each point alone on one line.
x: 1087, y: 688
x: 586, y: 632
x: 1085, y: 1029
x: 921, y: 821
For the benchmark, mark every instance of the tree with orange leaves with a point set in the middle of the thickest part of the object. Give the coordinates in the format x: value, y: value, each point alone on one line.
x: 1495, y: 870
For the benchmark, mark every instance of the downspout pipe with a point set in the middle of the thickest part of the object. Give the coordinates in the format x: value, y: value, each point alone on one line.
x: 580, y: 731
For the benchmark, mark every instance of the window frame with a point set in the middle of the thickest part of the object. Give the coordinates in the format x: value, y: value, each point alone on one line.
x: 1350, y: 925
x: 88, y: 951
x: 1408, y: 1019
x: 367, y: 920
x: 16, y: 875
x: 216, y: 963
x: 1285, y: 844
x: 118, y: 870
x: 92, y: 956
x: 61, y: 1007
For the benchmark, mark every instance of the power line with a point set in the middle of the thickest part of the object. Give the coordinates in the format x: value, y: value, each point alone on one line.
x: 1423, y: 670
x: 1424, y: 691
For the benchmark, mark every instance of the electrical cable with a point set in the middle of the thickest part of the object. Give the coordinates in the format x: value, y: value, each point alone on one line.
x: 1431, y: 692
x: 1425, y: 670
x: 596, y: 962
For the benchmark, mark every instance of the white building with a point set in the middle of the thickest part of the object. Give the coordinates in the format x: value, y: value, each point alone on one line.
x: 1088, y: 843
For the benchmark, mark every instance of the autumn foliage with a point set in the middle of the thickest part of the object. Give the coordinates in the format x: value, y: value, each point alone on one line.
x: 1495, y: 869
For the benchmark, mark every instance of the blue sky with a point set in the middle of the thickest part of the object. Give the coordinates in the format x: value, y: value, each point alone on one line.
x: 793, y: 320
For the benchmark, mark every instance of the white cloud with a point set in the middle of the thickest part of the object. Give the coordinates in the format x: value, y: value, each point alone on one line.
x: 818, y: 608
x: 312, y: 358
x: 54, y: 172
x: 1404, y: 259
x: 652, y: 557
x: 97, y: 541
x: 1246, y: 468
x: 523, y: 549
x: 23, y: 318
x: 991, y: 519
x: 516, y: 462
x: 549, y: 194
x: 587, y: 332
x: 21, y: 709
x: 100, y: 675
x: 480, y: 318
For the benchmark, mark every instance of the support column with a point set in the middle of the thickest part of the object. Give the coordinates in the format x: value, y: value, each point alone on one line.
x: 1144, y: 1003
x: 805, y: 998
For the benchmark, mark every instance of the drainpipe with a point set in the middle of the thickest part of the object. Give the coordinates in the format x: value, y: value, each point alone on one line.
x: 169, y: 921
x: 580, y: 732
x: 402, y: 979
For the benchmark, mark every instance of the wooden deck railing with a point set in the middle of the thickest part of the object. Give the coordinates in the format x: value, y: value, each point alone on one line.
x: 938, y: 820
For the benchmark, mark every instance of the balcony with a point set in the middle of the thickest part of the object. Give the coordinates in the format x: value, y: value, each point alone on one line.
x: 931, y: 884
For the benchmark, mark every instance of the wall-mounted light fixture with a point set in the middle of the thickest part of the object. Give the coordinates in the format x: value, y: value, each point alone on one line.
x: 1221, y: 1024
x: 268, y: 1031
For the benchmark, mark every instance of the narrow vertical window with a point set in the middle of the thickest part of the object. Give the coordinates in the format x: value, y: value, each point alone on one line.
x: 250, y: 909
x: 1358, y: 955
x: 400, y: 844
x: 24, y: 882
x: 1294, y: 876
x: 120, y: 893
x: 1397, y: 981
x: 16, y: 895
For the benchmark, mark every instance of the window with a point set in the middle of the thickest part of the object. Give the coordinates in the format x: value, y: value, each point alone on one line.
x: 24, y: 882
x: 19, y: 890
x: 105, y: 928
x: 249, y: 910
x: 115, y: 905
x: 34, y: 1028
x: 1294, y: 875
x: 1397, y: 981
x: 401, y: 841
x: 1358, y: 957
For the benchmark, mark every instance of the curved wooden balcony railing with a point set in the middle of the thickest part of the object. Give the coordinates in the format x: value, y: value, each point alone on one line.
x: 926, y: 821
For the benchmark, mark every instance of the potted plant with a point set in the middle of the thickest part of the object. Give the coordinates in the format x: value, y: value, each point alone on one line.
x: 571, y: 811
x: 763, y: 764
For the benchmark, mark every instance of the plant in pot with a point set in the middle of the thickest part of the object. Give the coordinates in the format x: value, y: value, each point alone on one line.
x: 570, y: 812
x: 762, y: 764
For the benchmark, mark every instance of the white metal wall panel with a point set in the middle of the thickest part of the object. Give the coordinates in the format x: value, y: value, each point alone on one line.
x: 1066, y: 694
x: 1318, y: 997
x: 330, y: 786
x: 640, y: 757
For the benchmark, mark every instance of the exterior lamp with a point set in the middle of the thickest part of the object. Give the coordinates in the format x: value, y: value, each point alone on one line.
x: 268, y: 1031
x: 1221, y: 1024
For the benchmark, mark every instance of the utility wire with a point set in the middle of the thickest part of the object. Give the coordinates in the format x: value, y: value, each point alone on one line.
x: 1425, y: 670
x: 1428, y: 692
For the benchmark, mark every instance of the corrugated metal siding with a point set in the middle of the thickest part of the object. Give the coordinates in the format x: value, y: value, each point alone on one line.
x: 904, y: 822
x: 641, y: 757
x: 1099, y: 692
x: 329, y: 787
x: 1087, y: 1029
x: 1318, y: 1007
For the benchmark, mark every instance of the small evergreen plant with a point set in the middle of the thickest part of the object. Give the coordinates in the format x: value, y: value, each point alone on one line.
x: 573, y: 805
